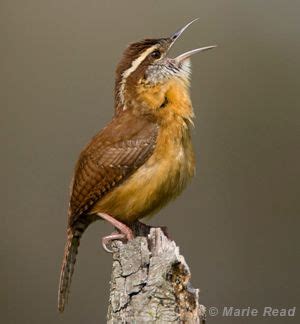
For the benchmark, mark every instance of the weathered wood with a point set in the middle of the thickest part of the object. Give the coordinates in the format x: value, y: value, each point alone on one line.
x: 150, y: 282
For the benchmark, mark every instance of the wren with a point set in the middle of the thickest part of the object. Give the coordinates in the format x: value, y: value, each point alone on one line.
x: 144, y: 157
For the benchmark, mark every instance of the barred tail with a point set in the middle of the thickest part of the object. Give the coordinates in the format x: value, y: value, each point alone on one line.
x: 68, y: 265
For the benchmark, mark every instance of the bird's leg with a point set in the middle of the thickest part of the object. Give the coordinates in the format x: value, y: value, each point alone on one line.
x: 125, y: 232
x: 124, y: 229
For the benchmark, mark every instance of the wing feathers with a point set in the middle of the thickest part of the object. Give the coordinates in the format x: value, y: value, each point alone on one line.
x: 110, y: 158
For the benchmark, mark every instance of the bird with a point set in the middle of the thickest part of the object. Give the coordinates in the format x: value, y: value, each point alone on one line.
x: 144, y: 157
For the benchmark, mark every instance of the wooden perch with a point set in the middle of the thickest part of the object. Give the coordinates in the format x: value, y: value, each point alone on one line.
x: 150, y: 282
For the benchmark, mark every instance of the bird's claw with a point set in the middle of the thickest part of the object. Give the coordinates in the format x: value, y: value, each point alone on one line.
x: 115, y: 236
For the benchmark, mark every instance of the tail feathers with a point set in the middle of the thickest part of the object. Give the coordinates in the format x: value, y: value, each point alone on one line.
x: 68, y: 266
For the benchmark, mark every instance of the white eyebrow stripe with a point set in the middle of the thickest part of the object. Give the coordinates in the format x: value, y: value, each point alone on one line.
x: 134, y: 65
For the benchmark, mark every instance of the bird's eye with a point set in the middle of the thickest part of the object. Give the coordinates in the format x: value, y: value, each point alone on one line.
x: 156, y: 54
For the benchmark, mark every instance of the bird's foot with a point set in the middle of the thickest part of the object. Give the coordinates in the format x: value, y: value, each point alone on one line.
x: 125, y: 233
x: 142, y: 229
x: 166, y: 232
x: 106, y: 240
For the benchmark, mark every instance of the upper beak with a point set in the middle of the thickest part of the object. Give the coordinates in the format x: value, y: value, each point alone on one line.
x: 176, y: 35
x: 186, y: 55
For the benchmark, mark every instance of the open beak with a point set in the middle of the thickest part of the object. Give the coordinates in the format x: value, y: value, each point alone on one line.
x: 186, y: 55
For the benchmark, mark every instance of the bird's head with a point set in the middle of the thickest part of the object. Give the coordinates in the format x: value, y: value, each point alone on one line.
x: 145, y: 66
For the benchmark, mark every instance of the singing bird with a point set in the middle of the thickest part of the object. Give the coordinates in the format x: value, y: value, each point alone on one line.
x: 144, y: 157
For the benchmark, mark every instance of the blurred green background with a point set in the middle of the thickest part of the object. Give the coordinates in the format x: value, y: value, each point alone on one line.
x: 238, y: 222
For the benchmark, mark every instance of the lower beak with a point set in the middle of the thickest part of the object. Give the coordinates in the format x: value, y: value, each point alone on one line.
x: 188, y: 54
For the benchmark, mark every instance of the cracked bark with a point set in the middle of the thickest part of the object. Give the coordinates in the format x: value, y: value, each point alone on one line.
x: 150, y: 282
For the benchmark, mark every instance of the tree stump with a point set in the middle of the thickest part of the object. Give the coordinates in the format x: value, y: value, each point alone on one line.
x: 150, y: 282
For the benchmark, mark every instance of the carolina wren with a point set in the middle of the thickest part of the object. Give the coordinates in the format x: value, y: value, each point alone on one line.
x: 144, y: 157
